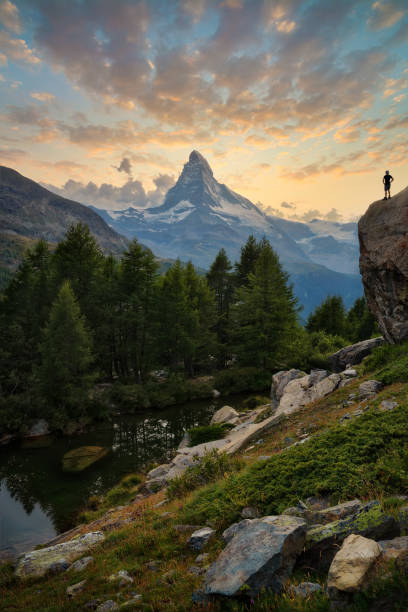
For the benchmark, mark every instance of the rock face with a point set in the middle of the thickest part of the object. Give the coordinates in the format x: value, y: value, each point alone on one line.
x: 39, y: 562
x: 351, y: 565
x: 260, y: 555
x: 383, y: 236
x: 353, y: 354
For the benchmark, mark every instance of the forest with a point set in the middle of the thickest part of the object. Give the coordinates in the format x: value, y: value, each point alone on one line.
x: 73, y: 321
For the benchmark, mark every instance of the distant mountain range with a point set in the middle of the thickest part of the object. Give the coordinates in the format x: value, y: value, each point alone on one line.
x: 198, y: 217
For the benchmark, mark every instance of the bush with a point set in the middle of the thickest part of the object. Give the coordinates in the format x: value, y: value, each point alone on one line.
x: 256, y: 400
x: 208, y: 433
x: 389, y: 362
x: 354, y: 460
x: 238, y: 380
x: 212, y: 466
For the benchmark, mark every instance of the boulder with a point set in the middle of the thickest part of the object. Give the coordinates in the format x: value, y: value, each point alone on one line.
x: 279, y: 382
x: 353, y: 354
x: 322, y: 541
x: 199, y: 538
x: 107, y: 605
x: 301, y: 391
x: 349, y: 373
x: 369, y: 388
x: 40, y: 428
x: 351, y: 566
x: 260, y: 555
x: 81, y: 564
x: 224, y: 415
x: 74, y: 589
x: 334, y: 513
x: 186, y: 441
x: 39, y: 562
x: 395, y: 550
x: 122, y: 578
x: 382, y: 233
x: 159, y: 471
x: 249, y: 512
x: 387, y: 405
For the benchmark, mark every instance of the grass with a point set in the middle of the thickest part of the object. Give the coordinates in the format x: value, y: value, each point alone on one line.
x: 208, y: 433
x: 389, y: 362
x: 365, y: 458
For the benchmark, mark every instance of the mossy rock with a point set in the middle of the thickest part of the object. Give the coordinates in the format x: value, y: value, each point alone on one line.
x: 79, y: 459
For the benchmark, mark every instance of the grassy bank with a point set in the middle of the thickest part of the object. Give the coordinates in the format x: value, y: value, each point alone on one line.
x: 365, y: 458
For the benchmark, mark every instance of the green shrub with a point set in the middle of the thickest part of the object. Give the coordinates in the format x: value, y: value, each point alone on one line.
x: 212, y: 466
x: 253, y: 402
x: 346, y: 461
x: 208, y: 433
x: 238, y: 380
x: 389, y: 362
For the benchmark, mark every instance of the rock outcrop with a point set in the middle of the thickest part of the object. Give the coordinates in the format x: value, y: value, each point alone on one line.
x: 383, y: 235
x: 353, y: 354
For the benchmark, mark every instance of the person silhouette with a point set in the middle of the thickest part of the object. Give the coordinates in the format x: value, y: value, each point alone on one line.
x: 387, y: 180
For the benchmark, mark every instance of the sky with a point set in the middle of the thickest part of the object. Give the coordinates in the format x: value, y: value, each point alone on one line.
x: 298, y: 105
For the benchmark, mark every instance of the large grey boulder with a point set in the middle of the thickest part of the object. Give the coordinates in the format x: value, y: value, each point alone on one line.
x: 333, y: 513
x: 39, y: 562
x: 353, y: 354
x: 369, y: 388
x: 302, y: 391
x: 280, y: 380
x: 225, y: 415
x: 260, y: 555
x: 382, y: 232
x: 322, y: 541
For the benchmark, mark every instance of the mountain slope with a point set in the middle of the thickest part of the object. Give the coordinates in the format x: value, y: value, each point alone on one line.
x: 29, y: 210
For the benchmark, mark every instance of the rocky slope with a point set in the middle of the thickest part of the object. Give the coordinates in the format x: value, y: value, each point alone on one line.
x: 31, y: 211
x: 383, y: 235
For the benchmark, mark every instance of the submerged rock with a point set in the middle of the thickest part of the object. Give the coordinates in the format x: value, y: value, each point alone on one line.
x: 39, y: 562
x: 78, y: 459
x: 260, y: 555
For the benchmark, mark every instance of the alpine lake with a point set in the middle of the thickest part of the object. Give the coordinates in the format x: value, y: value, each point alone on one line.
x: 39, y: 499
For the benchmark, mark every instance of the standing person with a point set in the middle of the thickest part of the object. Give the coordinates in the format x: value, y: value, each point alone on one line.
x: 387, y: 180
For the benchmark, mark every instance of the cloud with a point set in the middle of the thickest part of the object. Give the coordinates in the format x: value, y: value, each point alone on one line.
x: 386, y: 13
x: 125, y: 166
x: 10, y: 17
x: 106, y: 195
x: 289, y: 205
x: 17, y: 49
x: 42, y: 96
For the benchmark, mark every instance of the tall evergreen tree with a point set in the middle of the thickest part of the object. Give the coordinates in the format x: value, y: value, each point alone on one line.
x: 265, y: 314
x: 246, y: 265
x: 360, y: 322
x: 65, y: 375
x: 138, y: 274
x: 220, y: 280
x: 329, y: 317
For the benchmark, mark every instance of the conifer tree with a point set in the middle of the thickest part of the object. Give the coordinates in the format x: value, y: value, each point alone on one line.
x: 329, y: 317
x: 64, y: 374
x: 246, y: 265
x: 265, y: 314
x: 220, y: 280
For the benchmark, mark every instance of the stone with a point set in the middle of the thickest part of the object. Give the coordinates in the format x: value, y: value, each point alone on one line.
x: 383, y: 264
x: 353, y: 354
x: 199, y: 538
x: 122, y: 578
x: 38, y: 562
x: 304, y: 589
x: 57, y: 567
x: 395, y: 550
x: 317, y: 376
x: 224, y: 414
x: 350, y: 568
x: 322, y: 541
x: 263, y: 457
x: 369, y: 388
x: 78, y: 459
x: 81, y: 564
x: 279, y: 382
x: 202, y: 558
x: 349, y: 373
x: 38, y: 429
x: 334, y: 513
x: 249, y: 512
x: 233, y: 529
x: 260, y: 555
x: 195, y: 570
x: 293, y: 511
x: 158, y: 471
x: 387, y: 405
x: 107, y: 605
x: 155, y: 484
x: 75, y: 589
x: 300, y: 392
x: 215, y: 393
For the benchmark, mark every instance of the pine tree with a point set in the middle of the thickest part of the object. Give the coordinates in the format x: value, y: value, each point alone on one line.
x: 64, y: 374
x: 265, y: 314
x: 220, y: 280
x: 246, y: 265
x: 360, y: 322
x: 329, y: 317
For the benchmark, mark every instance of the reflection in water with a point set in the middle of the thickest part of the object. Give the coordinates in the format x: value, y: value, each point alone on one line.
x: 38, y: 500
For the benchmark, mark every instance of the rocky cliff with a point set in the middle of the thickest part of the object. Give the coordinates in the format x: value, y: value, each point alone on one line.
x: 383, y: 236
